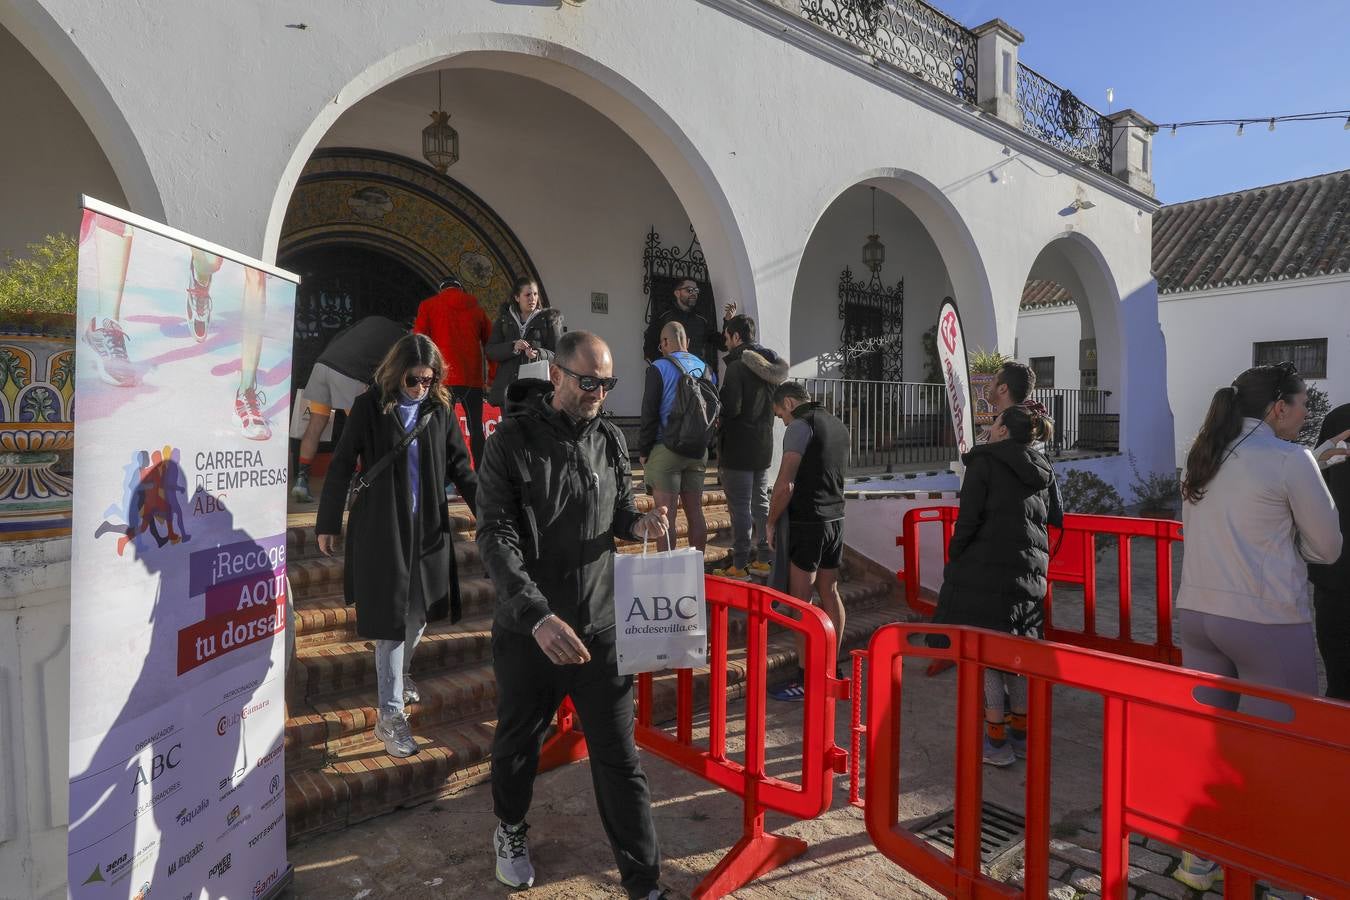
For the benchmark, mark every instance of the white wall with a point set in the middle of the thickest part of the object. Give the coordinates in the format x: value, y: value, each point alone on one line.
x: 1210, y: 336
x: 48, y: 156
x: 576, y: 190
x: 1052, y: 332
x: 837, y: 242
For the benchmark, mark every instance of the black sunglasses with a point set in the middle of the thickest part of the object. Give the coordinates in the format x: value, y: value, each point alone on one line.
x: 414, y: 381
x: 591, y: 383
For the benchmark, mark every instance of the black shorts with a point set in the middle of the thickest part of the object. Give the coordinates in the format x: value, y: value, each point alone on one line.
x: 816, y: 545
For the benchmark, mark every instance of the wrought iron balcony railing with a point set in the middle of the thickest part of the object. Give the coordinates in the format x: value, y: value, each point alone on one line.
x: 910, y: 35
x: 1057, y: 117
x: 920, y: 40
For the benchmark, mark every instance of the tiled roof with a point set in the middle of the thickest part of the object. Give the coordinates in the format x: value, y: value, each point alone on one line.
x: 1277, y: 232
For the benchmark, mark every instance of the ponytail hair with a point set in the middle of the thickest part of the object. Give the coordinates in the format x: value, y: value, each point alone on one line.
x: 1026, y: 424
x: 1250, y: 396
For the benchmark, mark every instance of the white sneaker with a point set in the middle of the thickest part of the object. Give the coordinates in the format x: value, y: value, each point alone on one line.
x: 514, y: 868
x: 397, y: 736
x: 1197, y: 873
x: 410, y: 692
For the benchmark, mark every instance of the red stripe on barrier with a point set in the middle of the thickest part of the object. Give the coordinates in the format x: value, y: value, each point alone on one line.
x: 1266, y: 799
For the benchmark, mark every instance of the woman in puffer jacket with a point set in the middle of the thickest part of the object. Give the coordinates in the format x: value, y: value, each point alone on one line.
x: 999, y: 558
x: 525, y: 331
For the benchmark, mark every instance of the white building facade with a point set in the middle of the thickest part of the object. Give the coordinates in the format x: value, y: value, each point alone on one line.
x: 596, y: 139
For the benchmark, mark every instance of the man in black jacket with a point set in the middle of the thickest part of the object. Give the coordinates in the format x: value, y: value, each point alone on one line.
x: 555, y: 491
x: 752, y: 372
x: 704, y: 339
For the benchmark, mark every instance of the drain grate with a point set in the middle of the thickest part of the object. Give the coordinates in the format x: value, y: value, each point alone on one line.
x: 1001, y: 830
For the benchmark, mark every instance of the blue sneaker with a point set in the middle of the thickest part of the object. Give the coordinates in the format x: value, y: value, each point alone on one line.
x: 791, y: 691
x: 998, y: 756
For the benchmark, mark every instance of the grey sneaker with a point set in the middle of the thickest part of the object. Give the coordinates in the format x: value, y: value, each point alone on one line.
x: 1197, y: 873
x: 410, y: 692
x: 300, y: 491
x: 397, y: 736
x: 514, y: 868
x: 998, y: 756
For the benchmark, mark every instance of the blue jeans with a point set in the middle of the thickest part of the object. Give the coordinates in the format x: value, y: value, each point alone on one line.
x: 748, y: 501
x: 393, y: 660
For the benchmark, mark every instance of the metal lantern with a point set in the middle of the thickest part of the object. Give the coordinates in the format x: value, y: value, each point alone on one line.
x: 440, y: 142
x: 874, y: 251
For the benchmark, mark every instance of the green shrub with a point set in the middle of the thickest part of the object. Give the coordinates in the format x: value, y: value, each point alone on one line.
x: 1319, y: 404
x: 44, y: 280
x: 1156, y: 490
x: 1084, y: 492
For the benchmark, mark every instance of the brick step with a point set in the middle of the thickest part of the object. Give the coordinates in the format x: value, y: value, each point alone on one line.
x: 301, y: 543
x: 317, y: 576
x: 340, y: 666
x: 362, y: 781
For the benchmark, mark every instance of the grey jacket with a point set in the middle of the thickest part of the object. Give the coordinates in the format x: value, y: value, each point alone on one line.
x: 1266, y: 514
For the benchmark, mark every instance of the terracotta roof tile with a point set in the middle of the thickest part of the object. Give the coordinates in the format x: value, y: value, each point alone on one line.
x: 1295, y: 229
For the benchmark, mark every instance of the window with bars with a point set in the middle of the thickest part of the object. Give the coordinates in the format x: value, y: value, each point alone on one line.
x: 1309, y: 355
x: 1044, y: 367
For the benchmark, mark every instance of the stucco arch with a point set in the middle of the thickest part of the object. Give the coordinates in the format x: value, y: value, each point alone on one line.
x: 590, y: 81
x: 944, y: 225
x: 56, y: 51
x: 1084, y: 271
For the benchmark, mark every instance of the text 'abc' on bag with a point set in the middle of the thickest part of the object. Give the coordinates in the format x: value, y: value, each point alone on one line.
x: 660, y: 610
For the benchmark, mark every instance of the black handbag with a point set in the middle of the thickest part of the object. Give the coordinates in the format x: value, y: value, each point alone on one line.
x: 365, y: 479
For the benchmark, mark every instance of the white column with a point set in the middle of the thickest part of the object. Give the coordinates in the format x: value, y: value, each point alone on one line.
x: 34, y: 716
x: 996, y: 70
x: 1132, y: 149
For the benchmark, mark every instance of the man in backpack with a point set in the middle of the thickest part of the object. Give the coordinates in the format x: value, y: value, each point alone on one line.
x: 746, y: 443
x: 555, y: 492
x: 670, y: 475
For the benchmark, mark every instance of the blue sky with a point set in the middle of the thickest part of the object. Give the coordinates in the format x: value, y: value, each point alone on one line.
x: 1198, y: 59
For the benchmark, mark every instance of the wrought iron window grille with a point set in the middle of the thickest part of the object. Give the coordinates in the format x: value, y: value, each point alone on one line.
x: 664, y: 267
x: 870, y: 341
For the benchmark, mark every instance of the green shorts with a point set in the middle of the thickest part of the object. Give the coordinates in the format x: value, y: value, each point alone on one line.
x: 669, y: 472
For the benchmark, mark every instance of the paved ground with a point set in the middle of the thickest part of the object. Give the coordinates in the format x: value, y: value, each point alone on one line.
x: 442, y: 848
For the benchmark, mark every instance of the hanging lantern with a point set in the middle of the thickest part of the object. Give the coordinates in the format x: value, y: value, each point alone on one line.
x: 440, y: 142
x: 874, y: 251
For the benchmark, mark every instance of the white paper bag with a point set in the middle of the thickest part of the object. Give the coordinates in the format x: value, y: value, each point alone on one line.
x: 537, y: 369
x: 660, y: 610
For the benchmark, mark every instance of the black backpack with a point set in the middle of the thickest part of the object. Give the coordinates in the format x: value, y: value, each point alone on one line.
x: 693, y: 416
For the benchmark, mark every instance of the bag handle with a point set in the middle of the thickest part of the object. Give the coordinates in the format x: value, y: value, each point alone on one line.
x: 670, y: 543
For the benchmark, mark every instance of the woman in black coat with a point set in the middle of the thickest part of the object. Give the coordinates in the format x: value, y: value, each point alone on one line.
x: 1331, y: 584
x: 999, y: 558
x: 524, y: 332
x: 400, y: 561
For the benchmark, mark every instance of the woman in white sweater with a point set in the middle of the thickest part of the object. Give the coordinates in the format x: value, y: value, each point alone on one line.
x: 1256, y: 512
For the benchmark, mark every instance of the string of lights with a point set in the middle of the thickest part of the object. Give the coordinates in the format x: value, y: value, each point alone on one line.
x: 1241, y: 124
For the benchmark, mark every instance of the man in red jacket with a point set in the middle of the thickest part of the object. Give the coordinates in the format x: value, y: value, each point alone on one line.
x: 458, y: 326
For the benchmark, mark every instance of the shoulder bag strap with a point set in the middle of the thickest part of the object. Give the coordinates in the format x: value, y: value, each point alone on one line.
x: 367, y: 478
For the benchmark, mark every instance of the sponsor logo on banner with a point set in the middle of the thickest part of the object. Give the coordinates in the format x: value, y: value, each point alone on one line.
x: 227, y: 722
x: 185, y: 858
x: 185, y: 815
x: 271, y: 755
x: 262, y: 884
x: 159, y: 764
x: 662, y: 615
x: 956, y: 374
x: 117, y: 869
x: 266, y: 831
x: 220, y: 868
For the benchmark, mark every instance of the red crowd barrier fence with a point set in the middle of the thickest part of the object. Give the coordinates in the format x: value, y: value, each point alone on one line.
x: 1074, y: 561
x: 757, y: 851
x: 1265, y: 798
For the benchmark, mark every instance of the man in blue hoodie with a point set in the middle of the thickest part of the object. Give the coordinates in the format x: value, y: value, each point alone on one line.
x: 668, y: 474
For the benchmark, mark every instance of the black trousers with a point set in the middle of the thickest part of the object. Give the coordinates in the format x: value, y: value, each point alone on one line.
x: 529, y: 690
x: 472, y: 398
x: 1332, y: 611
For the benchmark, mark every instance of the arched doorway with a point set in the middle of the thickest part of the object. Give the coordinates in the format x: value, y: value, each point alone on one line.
x: 862, y: 334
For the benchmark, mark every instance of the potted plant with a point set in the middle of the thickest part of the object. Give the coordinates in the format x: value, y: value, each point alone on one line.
x: 37, y: 387
x: 1157, y: 493
x: 984, y: 366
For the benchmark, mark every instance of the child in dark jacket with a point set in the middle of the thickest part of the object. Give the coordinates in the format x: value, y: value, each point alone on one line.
x: 999, y: 558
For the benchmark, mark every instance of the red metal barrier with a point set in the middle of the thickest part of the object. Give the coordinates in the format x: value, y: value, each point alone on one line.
x: 1266, y: 799
x: 757, y: 851
x: 1074, y: 562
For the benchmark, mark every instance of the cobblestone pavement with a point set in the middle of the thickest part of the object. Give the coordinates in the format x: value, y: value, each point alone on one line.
x: 442, y: 848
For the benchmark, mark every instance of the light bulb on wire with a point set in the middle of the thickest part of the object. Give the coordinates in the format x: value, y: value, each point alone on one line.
x: 1239, y: 131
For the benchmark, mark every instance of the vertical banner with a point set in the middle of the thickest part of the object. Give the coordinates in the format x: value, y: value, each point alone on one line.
x: 178, y: 580
x: 951, y: 341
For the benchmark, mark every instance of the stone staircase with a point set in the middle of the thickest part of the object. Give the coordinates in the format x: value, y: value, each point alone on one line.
x: 338, y: 772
